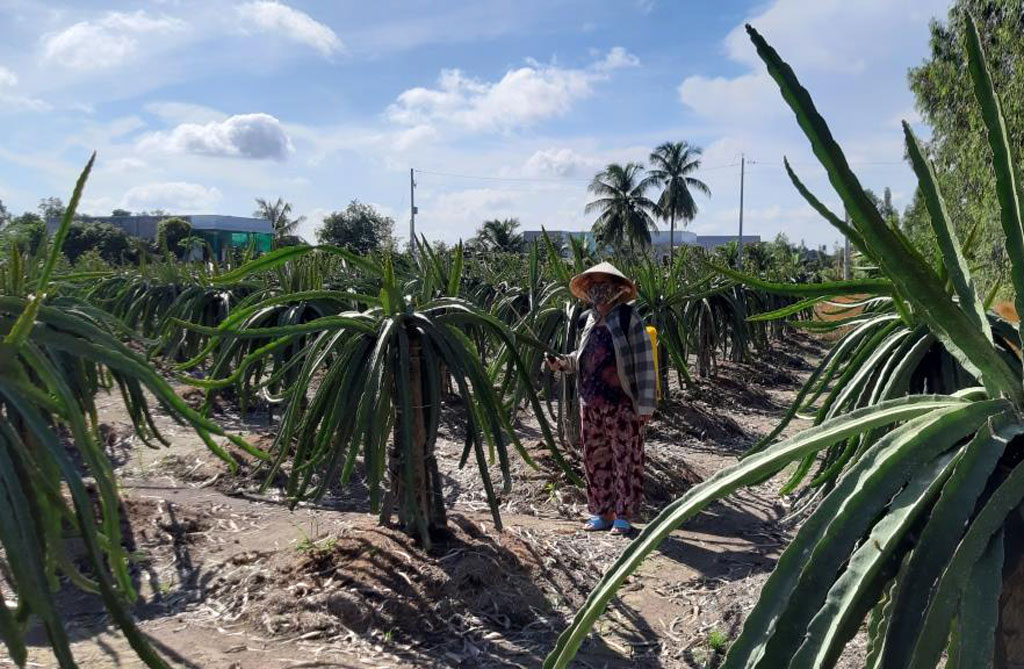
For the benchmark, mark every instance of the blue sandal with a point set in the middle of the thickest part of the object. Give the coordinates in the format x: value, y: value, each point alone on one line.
x: 621, y: 526
x: 597, y: 524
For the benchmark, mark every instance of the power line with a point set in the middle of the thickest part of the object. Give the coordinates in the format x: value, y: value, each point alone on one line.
x: 854, y: 163
x: 719, y: 167
x: 491, y: 178
x: 555, y: 180
x: 711, y: 168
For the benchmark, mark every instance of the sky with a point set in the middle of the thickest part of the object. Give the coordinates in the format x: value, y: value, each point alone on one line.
x: 503, y: 108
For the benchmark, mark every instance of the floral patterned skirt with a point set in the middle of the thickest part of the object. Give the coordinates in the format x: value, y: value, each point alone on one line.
x: 613, y: 456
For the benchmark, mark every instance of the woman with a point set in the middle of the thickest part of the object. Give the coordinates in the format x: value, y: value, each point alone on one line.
x: 615, y: 377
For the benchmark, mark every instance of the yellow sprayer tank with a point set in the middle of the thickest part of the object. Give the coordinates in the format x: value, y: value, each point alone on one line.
x: 652, y: 332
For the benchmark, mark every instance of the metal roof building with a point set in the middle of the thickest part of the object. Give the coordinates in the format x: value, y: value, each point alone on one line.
x: 659, y: 238
x: 714, y: 241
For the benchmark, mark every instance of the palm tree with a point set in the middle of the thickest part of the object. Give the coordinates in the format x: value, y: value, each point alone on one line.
x: 279, y: 215
x: 500, y: 235
x: 673, y: 163
x: 626, y: 213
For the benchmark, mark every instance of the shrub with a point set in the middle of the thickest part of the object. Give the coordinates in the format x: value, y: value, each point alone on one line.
x: 170, y: 232
x: 109, y: 241
x: 27, y: 231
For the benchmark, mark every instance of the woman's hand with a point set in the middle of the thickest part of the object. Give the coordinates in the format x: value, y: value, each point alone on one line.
x: 555, y: 363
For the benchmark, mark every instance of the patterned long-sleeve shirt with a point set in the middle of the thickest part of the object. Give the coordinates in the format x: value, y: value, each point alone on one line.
x: 634, y: 356
x: 598, y: 372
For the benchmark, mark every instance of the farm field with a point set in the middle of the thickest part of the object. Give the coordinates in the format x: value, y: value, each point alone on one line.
x: 224, y: 446
x: 232, y: 577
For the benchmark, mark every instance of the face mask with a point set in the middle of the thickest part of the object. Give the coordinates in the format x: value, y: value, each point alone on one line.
x: 603, y: 292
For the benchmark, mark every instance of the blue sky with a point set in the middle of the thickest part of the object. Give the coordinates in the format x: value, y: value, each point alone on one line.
x: 201, y: 106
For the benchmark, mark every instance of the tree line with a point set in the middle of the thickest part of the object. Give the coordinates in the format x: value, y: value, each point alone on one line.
x: 625, y: 217
x: 358, y: 227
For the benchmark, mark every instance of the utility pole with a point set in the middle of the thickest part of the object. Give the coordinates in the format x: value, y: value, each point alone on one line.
x: 412, y: 212
x: 739, y: 241
x: 847, y: 270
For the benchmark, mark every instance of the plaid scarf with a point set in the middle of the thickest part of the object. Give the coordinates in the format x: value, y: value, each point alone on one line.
x: 634, y: 356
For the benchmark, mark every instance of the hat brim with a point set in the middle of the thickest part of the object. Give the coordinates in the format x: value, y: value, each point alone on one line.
x: 579, y: 283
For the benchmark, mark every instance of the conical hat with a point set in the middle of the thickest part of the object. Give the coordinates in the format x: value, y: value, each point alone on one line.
x: 579, y: 283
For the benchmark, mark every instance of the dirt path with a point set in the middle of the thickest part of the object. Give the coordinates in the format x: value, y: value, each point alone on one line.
x: 231, y: 578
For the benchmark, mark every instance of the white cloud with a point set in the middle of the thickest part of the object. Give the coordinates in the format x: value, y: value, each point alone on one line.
x: 476, y: 199
x: 123, y: 165
x: 96, y: 206
x: 7, y: 78
x: 184, y: 112
x: 522, y: 97
x: 23, y: 103
x: 750, y: 97
x: 830, y: 35
x: 463, y: 210
x: 256, y: 136
x: 616, y: 59
x: 859, y: 90
x: 108, y: 42
x: 13, y: 102
x: 805, y: 35
x: 122, y: 126
x: 280, y: 19
x: 415, y: 136
x: 368, y: 157
x: 558, y: 162
x: 174, y: 196
x: 800, y: 28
